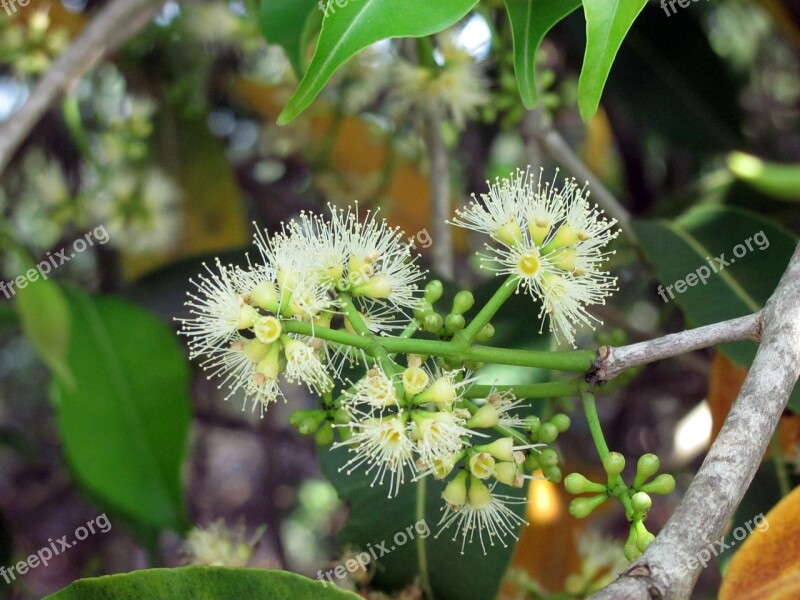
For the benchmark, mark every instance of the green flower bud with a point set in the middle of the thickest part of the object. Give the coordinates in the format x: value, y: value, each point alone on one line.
x: 324, y: 435
x: 433, y: 323
x: 647, y: 466
x: 580, y: 508
x: 463, y: 301
x: 306, y: 421
x: 341, y: 417
x: 486, y: 333
x: 641, y: 503
x: 643, y: 537
x: 534, y: 423
x: 548, y: 458
x: 454, y: 323
x: 663, y: 484
x: 553, y: 474
x: 547, y: 433
x: 433, y: 291
x: 631, y: 549
x: 561, y: 422
x: 614, y: 464
x: 575, y: 483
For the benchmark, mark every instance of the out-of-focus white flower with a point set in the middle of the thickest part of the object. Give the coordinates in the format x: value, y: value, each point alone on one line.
x: 218, y: 545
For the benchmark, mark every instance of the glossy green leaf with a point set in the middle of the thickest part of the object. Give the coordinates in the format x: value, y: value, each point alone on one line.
x: 124, y: 424
x: 45, y: 319
x: 607, y: 24
x: 775, y: 180
x: 351, y: 25
x: 202, y: 583
x: 530, y: 22
x: 704, y: 235
x: 404, y: 527
x: 283, y: 23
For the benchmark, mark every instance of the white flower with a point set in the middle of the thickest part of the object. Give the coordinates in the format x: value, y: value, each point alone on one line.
x: 550, y: 242
x: 481, y: 510
x: 439, y: 435
x: 382, y: 445
x: 303, y: 365
x: 375, y: 390
x: 220, y: 546
x: 218, y: 310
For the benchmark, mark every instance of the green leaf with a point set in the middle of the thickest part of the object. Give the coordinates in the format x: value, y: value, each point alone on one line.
x: 283, y: 23
x: 530, y: 22
x: 607, y: 24
x: 688, y: 244
x: 406, y: 525
x: 124, y: 425
x: 352, y: 25
x: 44, y: 316
x: 201, y: 583
x: 777, y: 181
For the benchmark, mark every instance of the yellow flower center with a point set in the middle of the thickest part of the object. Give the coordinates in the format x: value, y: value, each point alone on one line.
x: 529, y: 264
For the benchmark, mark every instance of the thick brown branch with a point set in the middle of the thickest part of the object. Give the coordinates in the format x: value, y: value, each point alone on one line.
x: 118, y: 21
x: 669, y: 568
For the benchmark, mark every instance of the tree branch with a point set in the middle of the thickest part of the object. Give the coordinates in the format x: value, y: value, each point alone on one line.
x: 613, y: 361
x: 116, y: 22
x: 663, y: 571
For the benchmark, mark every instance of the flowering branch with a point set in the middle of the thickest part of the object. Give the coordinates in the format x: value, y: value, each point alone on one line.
x: 115, y: 23
x: 733, y: 459
x: 613, y: 361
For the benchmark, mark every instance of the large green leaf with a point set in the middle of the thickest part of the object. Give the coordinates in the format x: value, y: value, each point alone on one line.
x: 201, y: 583
x: 352, y: 25
x: 375, y: 520
x: 530, y: 22
x: 124, y: 424
x: 283, y: 22
x: 607, y: 24
x: 684, y: 246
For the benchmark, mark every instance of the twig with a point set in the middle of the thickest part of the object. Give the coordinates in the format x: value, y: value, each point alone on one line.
x: 538, y: 126
x: 665, y: 571
x: 613, y: 361
x: 114, y: 24
x: 440, y: 200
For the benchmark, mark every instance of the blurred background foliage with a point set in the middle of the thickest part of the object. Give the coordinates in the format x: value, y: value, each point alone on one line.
x: 172, y: 146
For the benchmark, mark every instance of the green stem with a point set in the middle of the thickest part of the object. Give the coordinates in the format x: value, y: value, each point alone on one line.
x: 566, y: 360
x: 503, y: 293
x: 780, y: 465
x: 550, y: 389
x: 422, y: 556
x: 592, y: 418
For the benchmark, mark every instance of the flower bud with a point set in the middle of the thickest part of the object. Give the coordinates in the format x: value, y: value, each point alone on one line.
x: 454, y: 323
x: 485, y: 417
x: 548, y: 433
x: 509, y: 474
x: 463, y: 301
x: 548, y: 458
x: 646, y: 467
x: 306, y: 421
x: 663, y: 484
x: 324, y: 435
x: 614, y: 464
x: 552, y: 474
x: 643, y: 537
x: 534, y: 423
x: 433, y: 291
x: 433, y: 323
x: 561, y: 422
x: 455, y: 493
x: 501, y: 449
x: 486, y: 333
x: 580, y: 508
x: 632, y: 551
x: 575, y: 483
x: 641, y: 503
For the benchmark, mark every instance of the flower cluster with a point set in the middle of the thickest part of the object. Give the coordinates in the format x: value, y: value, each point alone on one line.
x: 241, y: 318
x: 419, y: 426
x: 551, y: 241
